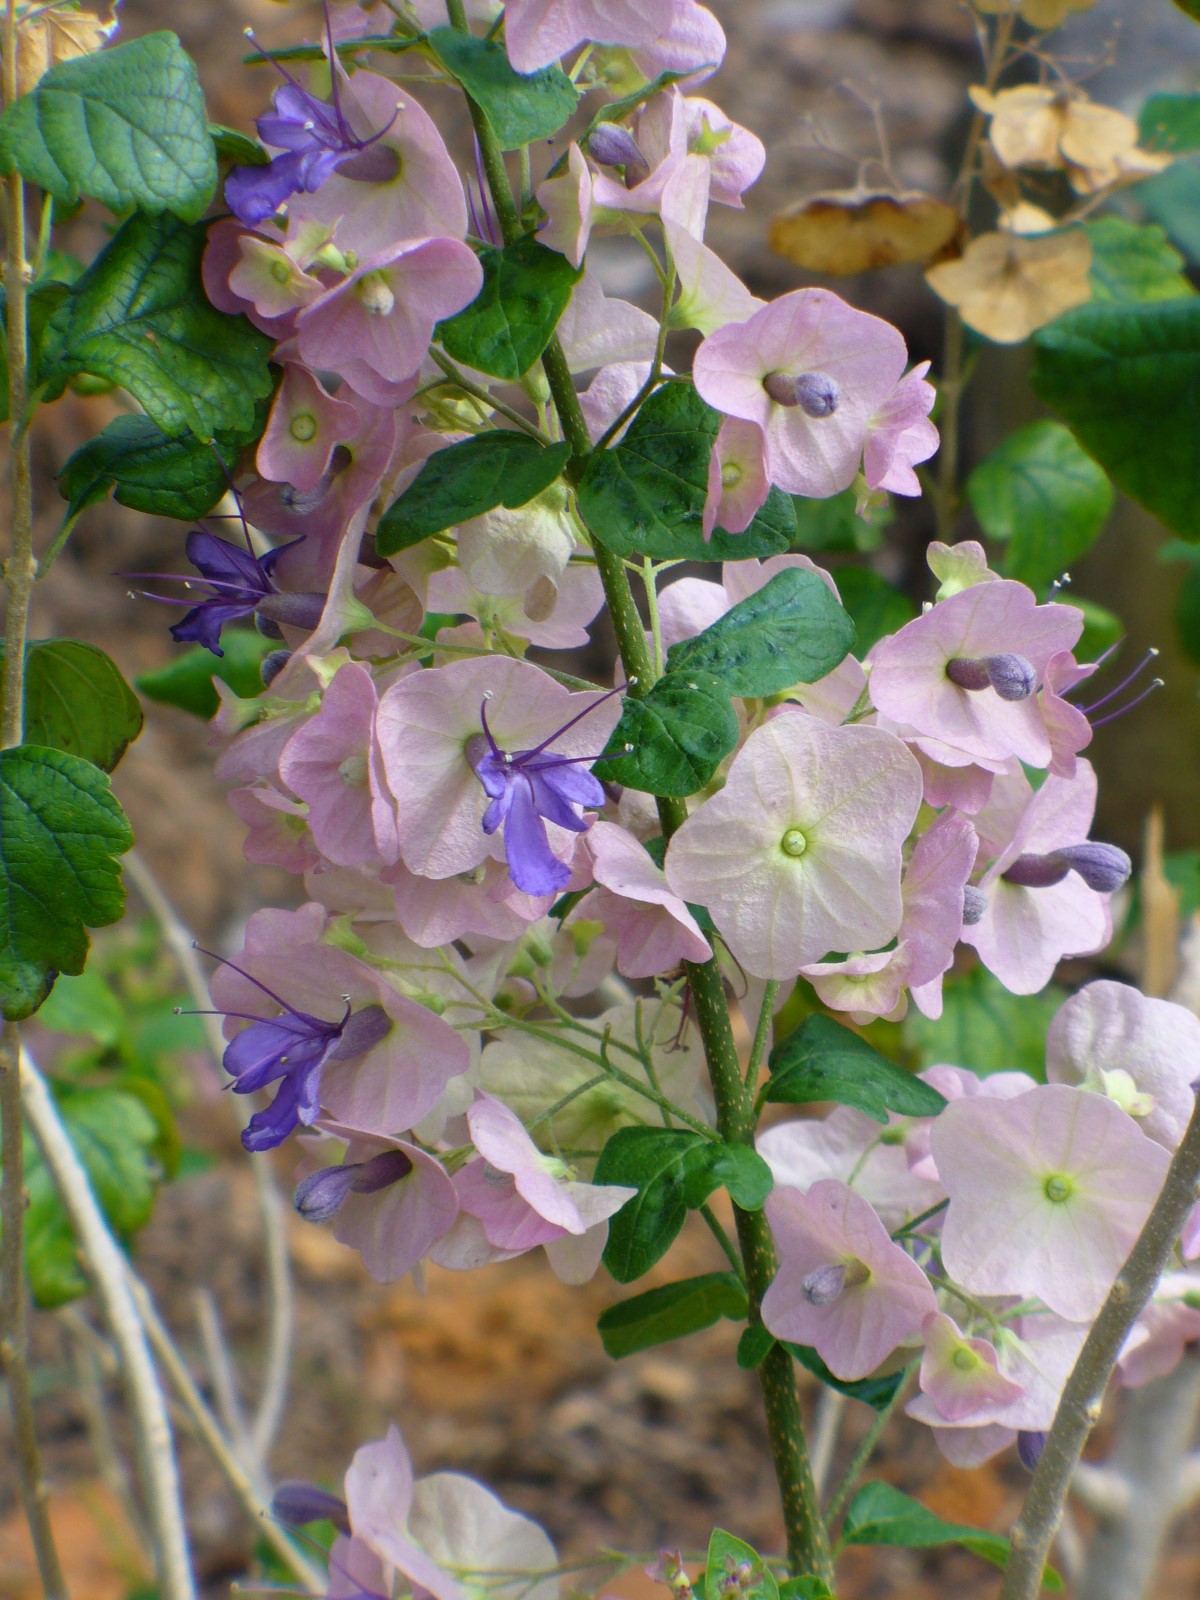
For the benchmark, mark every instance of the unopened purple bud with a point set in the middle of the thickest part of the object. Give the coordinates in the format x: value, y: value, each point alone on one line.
x: 273, y: 665
x: 1103, y: 867
x: 1029, y: 1448
x: 614, y: 146
x: 297, y: 1503
x: 974, y: 905
x: 320, y: 1196
x: 296, y: 610
x: 363, y: 1031
x: 1012, y: 677
x: 822, y: 1285
x: 816, y: 393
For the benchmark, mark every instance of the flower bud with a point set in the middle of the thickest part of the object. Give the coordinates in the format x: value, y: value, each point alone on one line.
x: 1029, y: 1448
x: 816, y: 393
x: 1103, y: 867
x: 1012, y: 677
x: 614, y: 146
x: 320, y: 1196
x: 273, y: 665
x: 297, y: 1503
x: 974, y: 905
x: 297, y: 610
x: 363, y: 1031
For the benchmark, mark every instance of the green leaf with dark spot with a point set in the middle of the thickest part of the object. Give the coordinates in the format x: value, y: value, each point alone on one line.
x: 512, y: 319
x: 874, y: 606
x: 76, y: 700
x: 1132, y: 261
x: 139, y: 318
x: 733, y: 1567
x: 124, y: 126
x: 1126, y: 379
x: 679, y: 732
x: 148, y: 470
x: 61, y: 831
x: 187, y: 681
x: 671, y: 1312
x: 790, y: 631
x: 881, y: 1514
x: 467, y: 479
x: 823, y: 1060
x: 520, y: 107
x: 1044, y: 497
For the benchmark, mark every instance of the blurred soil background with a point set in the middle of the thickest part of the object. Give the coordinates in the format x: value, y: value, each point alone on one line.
x: 501, y: 1373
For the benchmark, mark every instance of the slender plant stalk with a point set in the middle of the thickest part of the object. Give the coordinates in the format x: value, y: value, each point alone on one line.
x: 208, y: 1431
x: 272, y: 1208
x: 19, y: 576
x: 807, y: 1541
x: 1079, y: 1409
x: 105, y: 1266
x: 866, y: 1447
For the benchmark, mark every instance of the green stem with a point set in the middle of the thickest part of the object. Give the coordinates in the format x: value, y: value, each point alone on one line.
x: 723, y: 1239
x: 766, y: 1016
x: 870, y: 1439
x: 807, y: 1540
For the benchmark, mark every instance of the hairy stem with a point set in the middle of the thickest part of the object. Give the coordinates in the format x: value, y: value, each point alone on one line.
x: 1079, y: 1409
x: 105, y: 1266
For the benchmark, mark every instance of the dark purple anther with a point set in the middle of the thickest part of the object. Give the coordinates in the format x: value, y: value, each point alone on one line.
x: 1103, y: 867
x: 320, y: 1196
x: 974, y: 905
x: 614, y: 146
x: 1012, y: 677
x: 1029, y: 1448
x: 816, y: 393
x: 297, y: 1503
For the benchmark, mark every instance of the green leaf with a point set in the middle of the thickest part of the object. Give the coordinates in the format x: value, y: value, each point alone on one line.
x: 722, y: 1578
x: 163, y: 474
x: 823, y: 1060
x: 1172, y: 199
x: 60, y: 833
x: 1190, y: 8
x: 791, y: 631
x: 513, y: 317
x: 834, y: 524
x: 233, y: 145
x: 878, y: 1393
x: 680, y: 733
x: 754, y: 1346
x: 1187, y: 612
x: 1171, y: 122
x: 464, y: 481
x: 124, y: 126
x: 1126, y: 378
x: 806, y: 1588
x: 76, y: 700
x: 880, y: 1514
x: 674, y: 1170
x: 1045, y: 496
x: 656, y: 1162
x: 115, y: 1137
x: 985, y: 1028
x: 85, y: 1006
x: 520, y: 107
x: 1182, y: 868
x: 139, y: 318
x: 645, y: 495
x: 187, y: 681
x: 873, y: 605
x: 671, y: 1312
x: 1134, y: 262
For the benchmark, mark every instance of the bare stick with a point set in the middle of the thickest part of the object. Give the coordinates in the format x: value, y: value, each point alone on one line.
x: 272, y: 1208
x: 1079, y: 1408
x: 208, y: 1431
x: 105, y: 1266
x: 221, y: 1370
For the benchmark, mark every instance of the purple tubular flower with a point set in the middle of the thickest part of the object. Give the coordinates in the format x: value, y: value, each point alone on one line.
x: 316, y: 140
x: 320, y: 1196
x: 297, y: 1503
x: 529, y: 788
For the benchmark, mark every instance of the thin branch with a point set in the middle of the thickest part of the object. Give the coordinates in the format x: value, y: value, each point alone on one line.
x: 105, y: 1266
x: 208, y: 1431
x: 221, y: 1371
x: 866, y: 1448
x: 272, y: 1208
x: 1079, y: 1409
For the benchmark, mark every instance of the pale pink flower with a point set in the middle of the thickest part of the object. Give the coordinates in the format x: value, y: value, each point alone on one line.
x: 843, y: 1286
x: 1162, y: 1333
x: 851, y: 1147
x: 900, y: 434
x: 1047, y: 1194
x: 959, y: 1375
x: 465, y: 1528
x: 957, y: 1083
x: 653, y: 928
x: 538, y: 33
x: 597, y: 330
x: 710, y: 293
x: 1142, y: 1053
x: 958, y: 566
x: 551, y: 613
x: 1068, y: 726
x: 305, y: 427
x: 268, y: 277
x: 333, y: 764
x: 379, y: 1498
x: 799, y: 853
x: 994, y: 637
x: 737, y: 479
x: 693, y: 44
x: 483, y: 902
x: 811, y: 372
x: 277, y: 829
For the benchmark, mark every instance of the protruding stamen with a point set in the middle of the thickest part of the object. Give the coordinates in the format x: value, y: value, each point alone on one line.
x: 1012, y: 676
x: 1155, y: 683
x: 816, y: 393
x: 1151, y: 655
